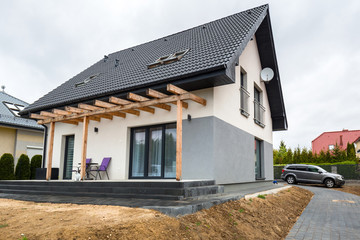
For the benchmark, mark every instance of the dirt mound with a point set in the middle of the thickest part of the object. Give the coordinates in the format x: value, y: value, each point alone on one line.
x: 258, y: 218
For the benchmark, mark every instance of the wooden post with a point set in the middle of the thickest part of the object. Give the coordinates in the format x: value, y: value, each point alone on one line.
x: 50, y: 152
x: 179, y: 140
x: 84, y: 147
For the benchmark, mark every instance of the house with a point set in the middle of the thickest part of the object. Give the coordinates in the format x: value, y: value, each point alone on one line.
x: 328, y: 140
x: 188, y: 106
x: 18, y: 135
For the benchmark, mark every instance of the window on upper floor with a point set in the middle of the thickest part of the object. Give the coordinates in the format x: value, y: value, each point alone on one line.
x: 244, y: 94
x: 331, y: 147
x: 259, y: 109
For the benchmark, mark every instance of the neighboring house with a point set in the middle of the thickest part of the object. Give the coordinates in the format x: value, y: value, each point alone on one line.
x: 215, y: 120
x: 328, y: 140
x: 18, y: 135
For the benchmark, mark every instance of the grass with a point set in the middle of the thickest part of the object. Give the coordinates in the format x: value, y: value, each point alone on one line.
x: 319, y: 164
x: 3, y: 225
x: 241, y: 210
x: 262, y: 196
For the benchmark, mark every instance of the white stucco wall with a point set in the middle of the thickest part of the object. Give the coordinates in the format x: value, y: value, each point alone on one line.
x: 227, y: 98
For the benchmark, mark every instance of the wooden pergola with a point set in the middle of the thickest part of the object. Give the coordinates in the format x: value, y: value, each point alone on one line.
x: 118, y: 107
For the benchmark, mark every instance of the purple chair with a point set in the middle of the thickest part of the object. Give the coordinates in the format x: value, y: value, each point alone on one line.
x: 102, y: 168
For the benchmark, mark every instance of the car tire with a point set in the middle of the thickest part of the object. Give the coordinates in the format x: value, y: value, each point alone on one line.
x: 290, y: 180
x: 329, y: 183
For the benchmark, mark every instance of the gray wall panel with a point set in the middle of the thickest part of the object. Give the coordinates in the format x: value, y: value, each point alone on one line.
x: 214, y: 149
x: 198, y: 161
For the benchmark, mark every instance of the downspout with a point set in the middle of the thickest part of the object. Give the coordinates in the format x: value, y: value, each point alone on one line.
x: 45, y: 144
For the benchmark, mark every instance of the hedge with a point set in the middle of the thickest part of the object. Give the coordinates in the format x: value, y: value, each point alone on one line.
x: 35, y: 163
x: 22, y: 170
x: 7, y: 167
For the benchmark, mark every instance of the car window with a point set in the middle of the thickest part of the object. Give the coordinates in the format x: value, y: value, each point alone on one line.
x: 301, y: 168
x: 291, y: 168
x: 312, y: 169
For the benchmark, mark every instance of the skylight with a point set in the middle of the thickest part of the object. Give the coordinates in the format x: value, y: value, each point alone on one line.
x: 168, y: 59
x: 14, y: 108
x: 86, y: 80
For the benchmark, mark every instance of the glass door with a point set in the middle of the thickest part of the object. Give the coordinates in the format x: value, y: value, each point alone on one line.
x: 69, y: 157
x: 153, y: 152
x: 258, y: 159
x: 138, y: 153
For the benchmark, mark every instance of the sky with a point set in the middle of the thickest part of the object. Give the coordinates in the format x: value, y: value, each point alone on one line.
x: 43, y: 43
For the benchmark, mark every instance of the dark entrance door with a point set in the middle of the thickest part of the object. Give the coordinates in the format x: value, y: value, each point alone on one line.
x: 153, y: 152
x: 69, y: 156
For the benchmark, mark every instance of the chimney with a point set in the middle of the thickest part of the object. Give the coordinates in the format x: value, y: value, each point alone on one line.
x: 3, y: 88
x: 341, y: 140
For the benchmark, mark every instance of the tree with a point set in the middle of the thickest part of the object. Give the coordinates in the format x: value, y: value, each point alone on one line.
x: 297, y: 153
x: 289, y: 156
x: 350, y: 152
x: 7, y: 167
x: 22, y: 171
x: 304, y: 156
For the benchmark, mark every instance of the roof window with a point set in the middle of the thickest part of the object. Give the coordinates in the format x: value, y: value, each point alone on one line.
x: 86, y: 80
x: 168, y: 59
x: 14, y: 108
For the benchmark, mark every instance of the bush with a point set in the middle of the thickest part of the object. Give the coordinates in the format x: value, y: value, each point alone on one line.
x: 7, y: 167
x: 22, y: 171
x: 35, y: 163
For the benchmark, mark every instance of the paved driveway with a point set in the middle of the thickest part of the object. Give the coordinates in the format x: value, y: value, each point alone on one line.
x: 330, y: 214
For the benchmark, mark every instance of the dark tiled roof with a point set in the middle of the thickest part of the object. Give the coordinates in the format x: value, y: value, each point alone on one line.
x: 9, y: 119
x: 212, y: 46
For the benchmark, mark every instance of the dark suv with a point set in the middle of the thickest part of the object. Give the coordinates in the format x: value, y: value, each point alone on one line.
x: 303, y: 173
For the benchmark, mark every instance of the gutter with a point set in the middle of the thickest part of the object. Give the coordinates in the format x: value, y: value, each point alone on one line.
x: 45, y: 144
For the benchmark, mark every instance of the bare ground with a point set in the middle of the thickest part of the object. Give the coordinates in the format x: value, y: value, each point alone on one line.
x: 269, y: 218
x: 351, y: 187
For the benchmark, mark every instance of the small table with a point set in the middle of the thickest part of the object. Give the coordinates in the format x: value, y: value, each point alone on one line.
x: 87, y: 170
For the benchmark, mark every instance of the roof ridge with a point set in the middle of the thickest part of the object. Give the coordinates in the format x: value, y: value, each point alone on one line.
x: 14, y: 97
x: 185, y: 30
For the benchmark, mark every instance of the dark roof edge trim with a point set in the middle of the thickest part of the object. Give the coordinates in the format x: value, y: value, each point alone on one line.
x: 21, y: 127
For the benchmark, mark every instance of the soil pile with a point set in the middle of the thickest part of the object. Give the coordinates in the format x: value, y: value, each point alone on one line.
x: 268, y: 217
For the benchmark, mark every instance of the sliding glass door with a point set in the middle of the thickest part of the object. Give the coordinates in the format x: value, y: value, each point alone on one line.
x: 153, y: 152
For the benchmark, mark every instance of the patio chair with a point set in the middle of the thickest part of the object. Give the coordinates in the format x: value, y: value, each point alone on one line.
x: 102, y: 168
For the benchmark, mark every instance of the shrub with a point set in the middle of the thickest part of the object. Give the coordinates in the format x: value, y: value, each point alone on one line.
x: 35, y: 163
x: 22, y: 170
x: 7, y: 167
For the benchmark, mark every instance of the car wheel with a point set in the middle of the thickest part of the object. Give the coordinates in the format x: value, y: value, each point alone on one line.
x: 329, y: 183
x: 290, y: 180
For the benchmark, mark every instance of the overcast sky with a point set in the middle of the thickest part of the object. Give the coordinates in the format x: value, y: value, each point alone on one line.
x: 43, y: 43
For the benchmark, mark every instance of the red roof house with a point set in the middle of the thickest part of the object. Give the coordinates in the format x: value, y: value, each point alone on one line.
x: 328, y: 140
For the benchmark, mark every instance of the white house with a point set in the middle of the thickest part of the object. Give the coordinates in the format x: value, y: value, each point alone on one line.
x: 214, y: 98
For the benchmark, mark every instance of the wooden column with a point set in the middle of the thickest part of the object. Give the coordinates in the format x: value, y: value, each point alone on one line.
x: 50, y: 152
x: 84, y: 147
x: 179, y: 140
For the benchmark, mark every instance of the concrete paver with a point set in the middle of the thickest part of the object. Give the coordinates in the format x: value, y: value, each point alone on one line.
x: 325, y: 218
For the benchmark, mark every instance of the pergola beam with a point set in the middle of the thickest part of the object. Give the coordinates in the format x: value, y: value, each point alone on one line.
x: 156, y: 94
x: 138, y: 98
x: 123, y: 102
x: 134, y: 105
x: 50, y: 151
x: 176, y: 90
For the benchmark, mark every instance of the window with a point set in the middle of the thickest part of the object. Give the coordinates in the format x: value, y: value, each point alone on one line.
x: 313, y: 169
x: 259, y: 109
x: 153, y: 152
x: 168, y: 59
x: 14, y: 108
x: 301, y: 168
x: 244, y: 94
x: 86, y: 80
x: 331, y: 147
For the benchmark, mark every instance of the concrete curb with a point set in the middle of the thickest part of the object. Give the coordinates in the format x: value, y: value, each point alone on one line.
x: 272, y: 191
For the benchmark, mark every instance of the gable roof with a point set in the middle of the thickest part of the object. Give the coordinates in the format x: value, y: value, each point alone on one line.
x: 8, y: 118
x: 214, y: 48
x: 340, y: 138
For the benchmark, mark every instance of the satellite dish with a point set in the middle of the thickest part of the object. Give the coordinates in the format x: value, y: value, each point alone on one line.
x: 267, y: 74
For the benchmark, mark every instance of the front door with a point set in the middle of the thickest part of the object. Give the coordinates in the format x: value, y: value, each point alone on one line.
x: 69, y: 157
x: 153, y: 152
